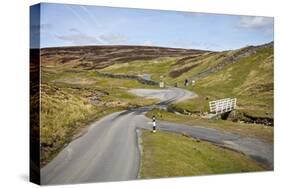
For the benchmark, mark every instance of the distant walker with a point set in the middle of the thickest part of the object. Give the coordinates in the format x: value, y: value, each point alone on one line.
x: 186, y: 82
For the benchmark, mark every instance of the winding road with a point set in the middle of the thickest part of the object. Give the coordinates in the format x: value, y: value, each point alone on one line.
x: 109, y: 150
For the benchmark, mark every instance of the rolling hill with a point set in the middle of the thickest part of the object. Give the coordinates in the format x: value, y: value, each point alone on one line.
x: 98, y: 57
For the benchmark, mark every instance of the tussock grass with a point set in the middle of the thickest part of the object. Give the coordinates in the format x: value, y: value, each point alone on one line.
x: 63, y: 114
x: 71, y: 99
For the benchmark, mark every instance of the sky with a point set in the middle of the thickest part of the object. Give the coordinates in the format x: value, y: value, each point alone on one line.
x: 77, y: 25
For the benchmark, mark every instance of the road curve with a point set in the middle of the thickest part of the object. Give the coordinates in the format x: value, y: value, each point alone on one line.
x: 109, y: 150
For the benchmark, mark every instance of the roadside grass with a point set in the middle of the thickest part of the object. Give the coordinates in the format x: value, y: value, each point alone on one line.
x: 264, y: 133
x: 196, y: 105
x: 71, y: 99
x: 169, y: 155
x: 64, y: 113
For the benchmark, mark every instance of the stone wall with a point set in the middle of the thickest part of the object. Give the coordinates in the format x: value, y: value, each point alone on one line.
x: 130, y: 77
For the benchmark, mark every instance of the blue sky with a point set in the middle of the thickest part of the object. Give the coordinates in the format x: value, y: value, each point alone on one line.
x: 73, y: 25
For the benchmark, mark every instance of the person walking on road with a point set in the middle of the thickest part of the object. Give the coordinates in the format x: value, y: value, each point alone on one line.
x: 154, y: 124
x: 186, y: 82
x: 193, y: 82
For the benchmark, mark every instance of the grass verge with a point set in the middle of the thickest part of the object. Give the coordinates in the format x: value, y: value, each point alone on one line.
x: 264, y: 133
x: 170, y: 155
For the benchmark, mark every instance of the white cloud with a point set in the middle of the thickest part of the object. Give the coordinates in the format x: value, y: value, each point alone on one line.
x: 256, y: 22
x: 77, y: 37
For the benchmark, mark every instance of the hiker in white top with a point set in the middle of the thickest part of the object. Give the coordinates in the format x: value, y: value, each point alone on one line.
x: 193, y: 82
x: 154, y: 124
